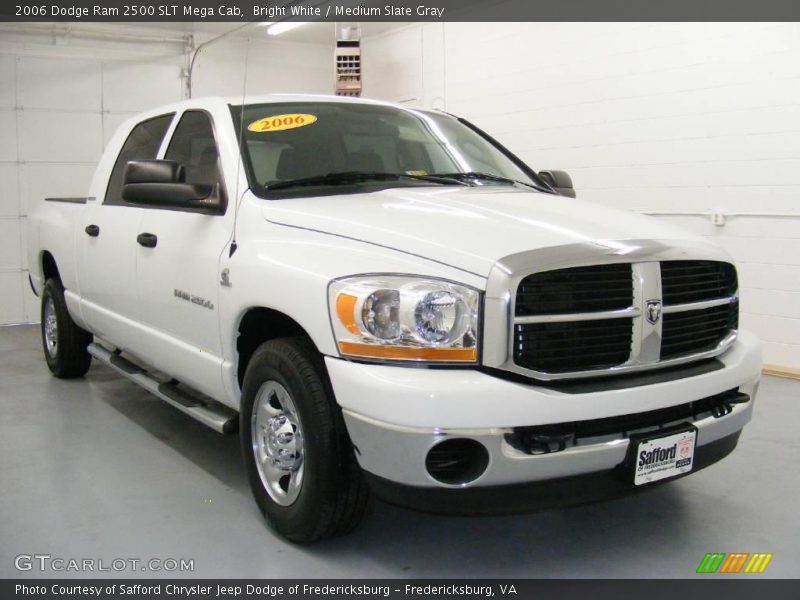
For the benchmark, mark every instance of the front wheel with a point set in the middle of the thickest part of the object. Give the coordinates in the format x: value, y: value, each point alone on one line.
x: 63, y: 341
x: 298, y: 456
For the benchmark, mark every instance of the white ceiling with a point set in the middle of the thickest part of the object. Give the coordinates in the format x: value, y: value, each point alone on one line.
x: 311, y: 33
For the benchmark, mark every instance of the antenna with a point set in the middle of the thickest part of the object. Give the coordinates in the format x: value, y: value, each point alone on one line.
x: 238, y: 197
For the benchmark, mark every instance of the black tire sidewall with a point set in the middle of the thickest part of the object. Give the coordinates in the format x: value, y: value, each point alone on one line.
x: 72, y: 359
x: 321, y: 450
x: 53, y: 289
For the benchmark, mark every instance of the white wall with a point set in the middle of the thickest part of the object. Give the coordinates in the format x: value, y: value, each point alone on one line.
x: 660, y: 118
x: 63, y: 95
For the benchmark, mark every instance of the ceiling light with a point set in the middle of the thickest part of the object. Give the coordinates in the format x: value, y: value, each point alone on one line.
x: 283, y: 26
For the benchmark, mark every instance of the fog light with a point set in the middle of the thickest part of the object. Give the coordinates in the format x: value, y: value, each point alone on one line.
x: 457, y: 461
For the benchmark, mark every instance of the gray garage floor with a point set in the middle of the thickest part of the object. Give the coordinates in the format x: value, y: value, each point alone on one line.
x: 97, y: 468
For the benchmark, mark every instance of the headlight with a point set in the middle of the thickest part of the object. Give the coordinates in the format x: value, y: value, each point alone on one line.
x: 403, y: 318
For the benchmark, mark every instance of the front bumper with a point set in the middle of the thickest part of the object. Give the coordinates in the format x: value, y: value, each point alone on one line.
x: 396, y: 415
x: 535, y: 495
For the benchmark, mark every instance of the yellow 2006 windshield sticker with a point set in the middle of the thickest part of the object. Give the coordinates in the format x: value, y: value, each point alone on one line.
x: 281, y: 122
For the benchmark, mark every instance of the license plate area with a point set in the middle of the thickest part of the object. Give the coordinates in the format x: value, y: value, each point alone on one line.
x: 663, y: 455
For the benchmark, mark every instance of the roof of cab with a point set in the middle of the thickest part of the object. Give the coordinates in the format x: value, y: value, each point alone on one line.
x: 273, y: 99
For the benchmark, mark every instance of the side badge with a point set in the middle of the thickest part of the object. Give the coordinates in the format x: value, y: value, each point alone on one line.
x: 225, y: 277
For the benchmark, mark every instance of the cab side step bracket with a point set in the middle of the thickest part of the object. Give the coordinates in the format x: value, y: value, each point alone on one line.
x: 213, y: 414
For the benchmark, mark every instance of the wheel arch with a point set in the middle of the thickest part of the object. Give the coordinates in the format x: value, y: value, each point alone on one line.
x: 259, y: 324
x: 48, y: 266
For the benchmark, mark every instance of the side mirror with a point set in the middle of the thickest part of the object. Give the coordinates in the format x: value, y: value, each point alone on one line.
x: 560, y: 181
x: 163, y: 183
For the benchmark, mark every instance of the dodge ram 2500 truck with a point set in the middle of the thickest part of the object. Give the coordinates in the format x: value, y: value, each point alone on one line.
x: 385, y: 300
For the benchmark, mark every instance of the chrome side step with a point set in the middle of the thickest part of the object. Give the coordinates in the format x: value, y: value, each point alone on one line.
x: 213, y: 414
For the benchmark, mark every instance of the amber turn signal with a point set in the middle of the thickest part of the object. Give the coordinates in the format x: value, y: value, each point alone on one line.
x: 356, y: 349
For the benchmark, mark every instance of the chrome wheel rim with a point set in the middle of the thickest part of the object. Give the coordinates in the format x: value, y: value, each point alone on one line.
x: 50, y: 327
x: 277, y: 442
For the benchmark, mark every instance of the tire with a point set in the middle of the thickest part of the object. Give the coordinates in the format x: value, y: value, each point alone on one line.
x: 308, y: 485
x: 63, y: 342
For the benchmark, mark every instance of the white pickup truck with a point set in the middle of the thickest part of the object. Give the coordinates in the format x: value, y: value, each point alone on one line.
x: 385, y: 300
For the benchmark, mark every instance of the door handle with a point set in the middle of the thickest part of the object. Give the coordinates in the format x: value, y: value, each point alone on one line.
x: 92, y: 230
x: 148, y: 240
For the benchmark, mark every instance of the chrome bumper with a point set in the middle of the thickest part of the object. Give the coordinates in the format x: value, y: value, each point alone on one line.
x: 397, y: 453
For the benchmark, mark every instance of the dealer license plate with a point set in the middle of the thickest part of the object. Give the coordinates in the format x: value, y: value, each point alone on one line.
x: 664, y: 457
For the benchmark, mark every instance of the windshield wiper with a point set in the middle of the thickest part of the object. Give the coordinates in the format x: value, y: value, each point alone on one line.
x: 349, y: 177
x: 472, y: 175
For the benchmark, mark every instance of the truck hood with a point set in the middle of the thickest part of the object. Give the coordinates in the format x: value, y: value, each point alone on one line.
x: 467, y: 228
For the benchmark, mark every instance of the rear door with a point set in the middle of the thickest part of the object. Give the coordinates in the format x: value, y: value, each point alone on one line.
x: 179, y: 277
x: 107, y: 248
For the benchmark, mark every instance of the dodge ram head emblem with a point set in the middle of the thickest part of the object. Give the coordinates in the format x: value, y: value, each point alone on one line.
x: 653, y: 311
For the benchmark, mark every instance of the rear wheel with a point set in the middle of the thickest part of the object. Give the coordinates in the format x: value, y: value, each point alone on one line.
x: 298, y: 456
x: 63, y: 341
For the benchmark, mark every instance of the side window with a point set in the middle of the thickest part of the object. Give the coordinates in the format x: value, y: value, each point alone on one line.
x: 193, y: 145
x: 142, y: 143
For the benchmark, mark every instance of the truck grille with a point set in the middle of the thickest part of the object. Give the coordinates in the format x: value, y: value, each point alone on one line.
x: 582, y: 345
x: 588, y: 319
x: 579, y: 289
x: 695, y: 331
x: 701, y: 330
x: 685, y: 281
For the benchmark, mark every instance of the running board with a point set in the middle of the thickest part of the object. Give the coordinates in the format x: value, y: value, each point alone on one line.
x: 217, y: 416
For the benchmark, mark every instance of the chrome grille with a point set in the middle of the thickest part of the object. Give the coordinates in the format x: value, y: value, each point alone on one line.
x: 602, y: 287
x: 694, y: 331
x: 685, y: 281
x: 709, y: 289
x: 566, y: 346
x: 590, y: 320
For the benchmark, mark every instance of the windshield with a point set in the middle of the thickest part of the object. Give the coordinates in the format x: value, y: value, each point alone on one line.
x: 342, y: 146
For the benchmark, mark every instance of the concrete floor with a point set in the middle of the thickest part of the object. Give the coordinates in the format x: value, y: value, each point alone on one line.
x: 97, y: 468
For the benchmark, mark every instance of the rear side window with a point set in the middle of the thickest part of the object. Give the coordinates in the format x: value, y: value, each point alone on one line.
x: 142, y: 143
x: 193, y: 146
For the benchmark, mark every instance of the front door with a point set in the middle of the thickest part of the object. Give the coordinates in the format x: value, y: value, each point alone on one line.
x: 178, y: 267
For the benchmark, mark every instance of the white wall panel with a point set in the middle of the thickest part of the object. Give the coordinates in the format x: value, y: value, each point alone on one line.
x: 771, y: 276
x: 12, y: 309
x: 392, y: 65
x: 433, y: 65
x: 60, y: 136
x: 7, y: 82
x: 272, y: 67
x: 697, y: 198
x: 762, y: 302
x: 10, y: 244
x: 40, y: 181
x: 660, y: 118
x: 23, y: 244
x: 9, y: 190
x: 737, y: 227
x: 773, y: 329
x: 778, y: 353
x: 47, y: 83
x: 123, y: 88
x: 8, y: 135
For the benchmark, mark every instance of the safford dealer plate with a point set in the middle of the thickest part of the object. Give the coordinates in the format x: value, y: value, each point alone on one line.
x: 664, y: 457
